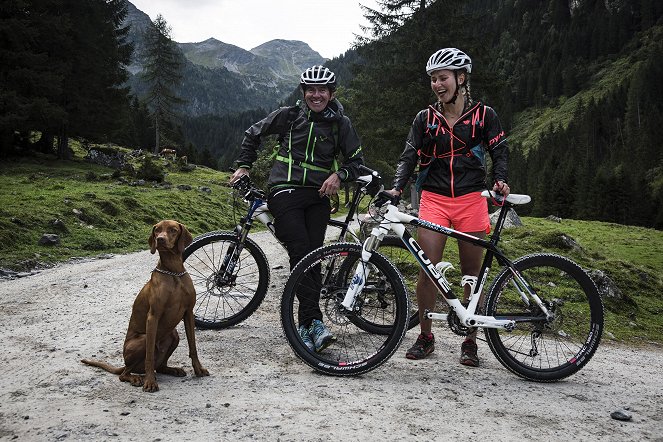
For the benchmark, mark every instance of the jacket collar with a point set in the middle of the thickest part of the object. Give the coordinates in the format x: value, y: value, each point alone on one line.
x: 333, y: 112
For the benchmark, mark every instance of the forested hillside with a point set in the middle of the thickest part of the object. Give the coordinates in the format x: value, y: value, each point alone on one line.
x: 577, y: 84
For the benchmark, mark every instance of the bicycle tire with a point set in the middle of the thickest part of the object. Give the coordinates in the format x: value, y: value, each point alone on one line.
x: 356, y: 350
x: 541, y: 350
x: 225, y: 300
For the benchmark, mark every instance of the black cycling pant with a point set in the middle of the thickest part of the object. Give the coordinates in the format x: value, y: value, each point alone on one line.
x: 300, y: 219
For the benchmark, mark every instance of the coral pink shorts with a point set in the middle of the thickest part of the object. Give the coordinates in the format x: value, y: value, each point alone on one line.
x: 467, y: 213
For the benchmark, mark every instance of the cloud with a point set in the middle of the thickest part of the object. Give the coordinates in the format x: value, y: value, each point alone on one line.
x: 327, y: 26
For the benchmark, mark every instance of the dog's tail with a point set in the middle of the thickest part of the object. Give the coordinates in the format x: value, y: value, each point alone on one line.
x: 109, y: 368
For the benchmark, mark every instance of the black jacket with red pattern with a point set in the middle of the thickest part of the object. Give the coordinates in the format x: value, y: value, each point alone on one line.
x: 452, y: 161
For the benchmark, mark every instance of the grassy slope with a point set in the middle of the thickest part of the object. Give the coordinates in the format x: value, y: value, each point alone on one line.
x: 117, y: 218
x: 112, y: 217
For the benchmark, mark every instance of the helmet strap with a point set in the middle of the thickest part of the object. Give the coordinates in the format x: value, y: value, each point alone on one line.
x: 453, y: 99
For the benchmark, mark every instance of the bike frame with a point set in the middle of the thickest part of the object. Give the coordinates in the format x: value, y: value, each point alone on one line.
x: 258, y: 210
x: 395, y: 220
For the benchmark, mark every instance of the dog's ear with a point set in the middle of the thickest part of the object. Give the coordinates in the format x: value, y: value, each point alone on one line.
x: 185, y: 238
x: 152, y: 241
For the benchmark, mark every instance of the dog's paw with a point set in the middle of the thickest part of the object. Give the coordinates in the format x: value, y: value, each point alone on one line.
x: 133, y: 379
x: 172, y: 371
x: 202, y: 372
x: 150, y: 386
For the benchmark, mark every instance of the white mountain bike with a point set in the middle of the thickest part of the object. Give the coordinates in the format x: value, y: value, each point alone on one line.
x: 542, y: 314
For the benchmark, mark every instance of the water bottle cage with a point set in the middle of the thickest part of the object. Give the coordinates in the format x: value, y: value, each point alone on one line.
x: 442, y: 267
x: 469, y: 280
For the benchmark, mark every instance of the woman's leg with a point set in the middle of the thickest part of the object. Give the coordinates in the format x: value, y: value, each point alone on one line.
x: 432, y: 244
x: 471, y: 257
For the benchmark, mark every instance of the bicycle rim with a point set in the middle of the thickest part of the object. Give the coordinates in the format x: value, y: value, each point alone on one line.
x: 539, y: 349
x: 223, y: 298
x: 356, y: 349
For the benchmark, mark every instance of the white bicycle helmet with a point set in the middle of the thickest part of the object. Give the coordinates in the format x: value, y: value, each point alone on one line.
x: 318, y: 75
x: 449, y: 58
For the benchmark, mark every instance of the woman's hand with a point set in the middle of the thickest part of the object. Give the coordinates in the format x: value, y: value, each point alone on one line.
x: 501, y: 187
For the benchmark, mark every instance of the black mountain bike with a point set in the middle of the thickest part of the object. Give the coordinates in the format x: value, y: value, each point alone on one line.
x: 230, y: 271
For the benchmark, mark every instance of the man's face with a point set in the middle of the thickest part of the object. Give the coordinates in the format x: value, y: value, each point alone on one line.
x: 317, y: 97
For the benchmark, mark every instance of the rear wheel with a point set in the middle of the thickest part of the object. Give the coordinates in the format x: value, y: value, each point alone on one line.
x: 230, y: 284
x: 357, y: 349
x: 539, y: 348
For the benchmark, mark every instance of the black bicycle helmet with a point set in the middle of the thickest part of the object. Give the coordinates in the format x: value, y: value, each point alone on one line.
x: 318, y: 75
x: 449, y: 58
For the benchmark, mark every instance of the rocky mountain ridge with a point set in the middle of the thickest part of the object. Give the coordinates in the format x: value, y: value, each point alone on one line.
x: 221, y: 78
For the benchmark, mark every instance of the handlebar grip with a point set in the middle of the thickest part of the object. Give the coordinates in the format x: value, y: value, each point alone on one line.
x: 383, y: 197
x: 368, y: 170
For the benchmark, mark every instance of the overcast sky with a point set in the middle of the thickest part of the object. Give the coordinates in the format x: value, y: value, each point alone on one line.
x: 328, y: 26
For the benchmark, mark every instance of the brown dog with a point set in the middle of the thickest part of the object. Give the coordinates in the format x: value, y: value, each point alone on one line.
x: 166, y: 299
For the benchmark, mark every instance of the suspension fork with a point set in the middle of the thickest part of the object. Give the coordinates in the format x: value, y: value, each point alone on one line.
x: 241, y: 231
x: 363, y: 269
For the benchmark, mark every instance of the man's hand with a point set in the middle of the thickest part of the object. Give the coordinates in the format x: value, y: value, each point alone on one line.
x: 330, y: 186
x: 238, y: 174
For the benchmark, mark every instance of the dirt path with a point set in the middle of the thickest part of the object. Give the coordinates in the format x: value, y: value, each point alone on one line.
x: 258, y: 389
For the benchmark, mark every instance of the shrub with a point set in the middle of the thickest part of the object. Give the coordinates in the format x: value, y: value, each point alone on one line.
x: 150, y: 171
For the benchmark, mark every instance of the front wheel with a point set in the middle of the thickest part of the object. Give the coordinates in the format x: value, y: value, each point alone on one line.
x: 230, y: 278
x: 539, y: 348
x: 356, y: 350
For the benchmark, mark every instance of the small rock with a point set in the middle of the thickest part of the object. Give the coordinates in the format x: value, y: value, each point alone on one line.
x: 49, y: 239
x: 621, y: 415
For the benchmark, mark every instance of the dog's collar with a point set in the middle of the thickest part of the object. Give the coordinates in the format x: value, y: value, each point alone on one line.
x: 166, y: 272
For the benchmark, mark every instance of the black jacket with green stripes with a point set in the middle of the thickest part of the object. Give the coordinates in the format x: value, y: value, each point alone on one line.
x: 309, y: 143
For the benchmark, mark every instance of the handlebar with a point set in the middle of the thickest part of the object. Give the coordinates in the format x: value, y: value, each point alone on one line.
x: 245, y: 186
x: 372, y: 182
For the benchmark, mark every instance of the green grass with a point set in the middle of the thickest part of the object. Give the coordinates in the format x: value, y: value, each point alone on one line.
x: 101, y: 213
x: 97, y: 213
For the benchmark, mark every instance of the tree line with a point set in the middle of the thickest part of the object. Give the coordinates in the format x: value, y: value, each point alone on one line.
x: 63, y: 73
x: 63, y: 67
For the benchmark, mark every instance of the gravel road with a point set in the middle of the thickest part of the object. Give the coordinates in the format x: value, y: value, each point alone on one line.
x: 258, y: 389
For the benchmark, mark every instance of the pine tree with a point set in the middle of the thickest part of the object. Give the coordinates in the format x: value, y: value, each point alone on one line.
x: 163, y: 74
x: 98, y: 59
x: 390, y: 16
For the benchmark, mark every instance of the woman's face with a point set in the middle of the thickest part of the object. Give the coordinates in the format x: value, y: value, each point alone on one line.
x: 317, y: 97
x: 443, y: 83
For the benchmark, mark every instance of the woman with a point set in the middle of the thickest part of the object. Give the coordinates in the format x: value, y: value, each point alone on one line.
x: 449, y: 140
x: 303, y: 176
